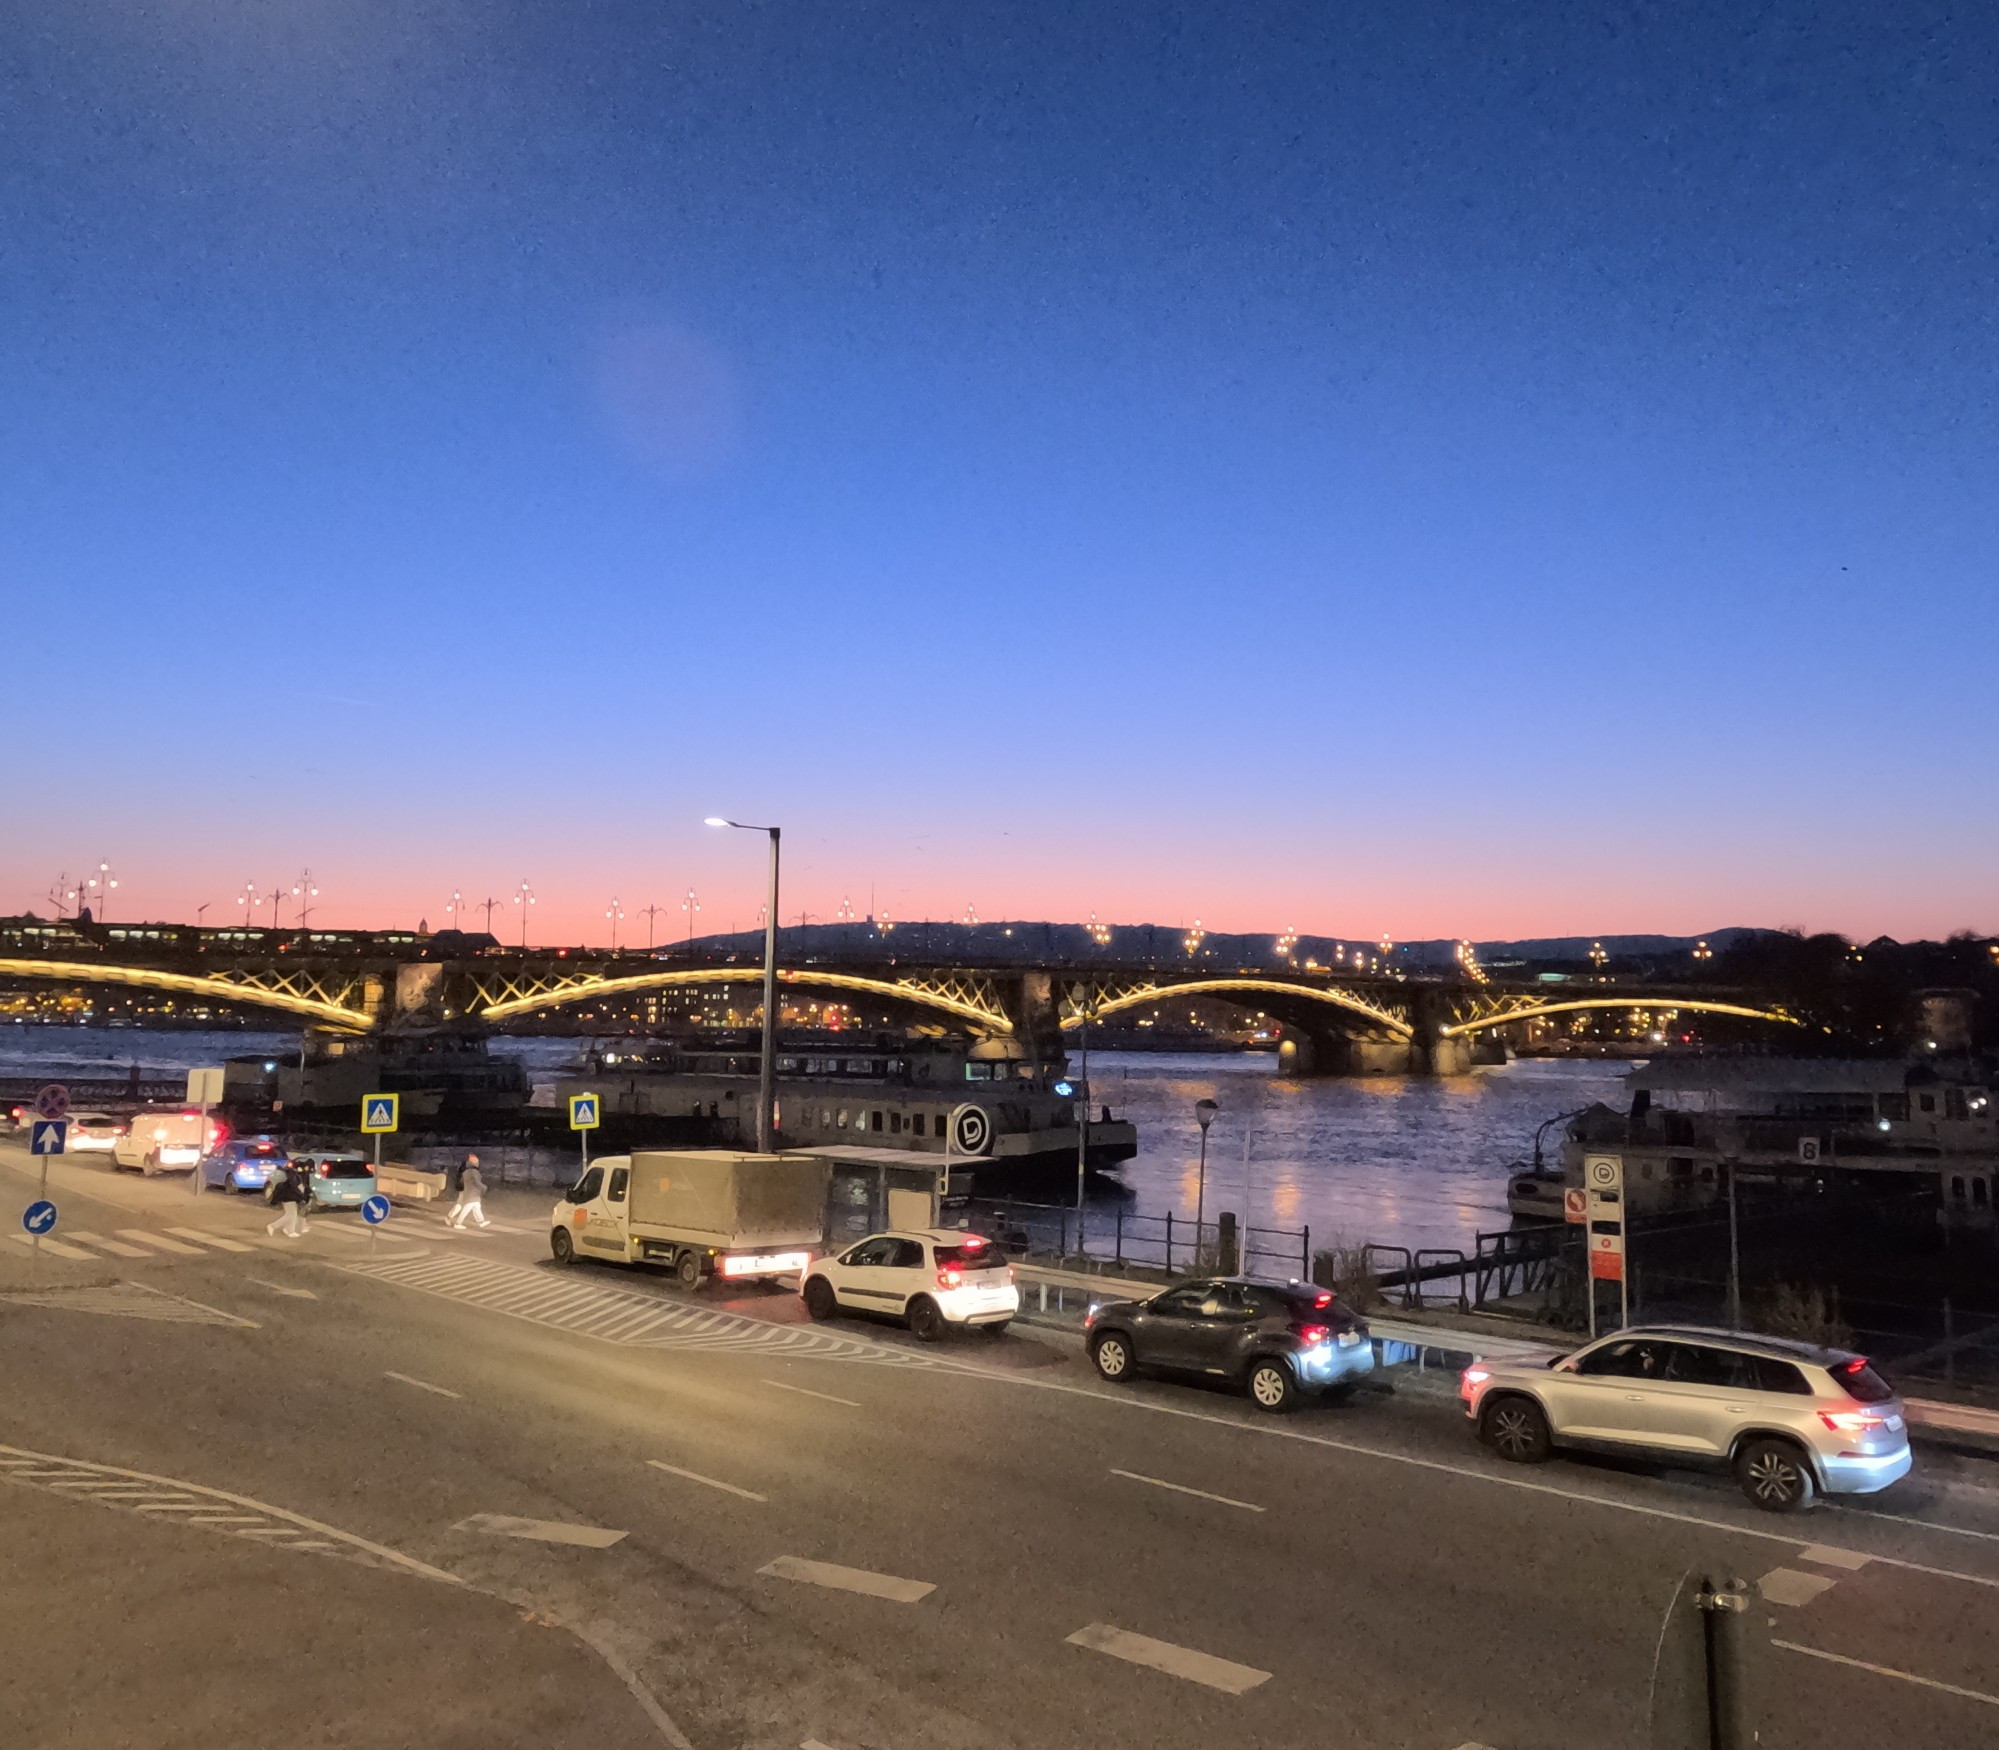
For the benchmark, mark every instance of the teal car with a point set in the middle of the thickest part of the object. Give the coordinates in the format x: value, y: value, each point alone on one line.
x: 337, y: 1181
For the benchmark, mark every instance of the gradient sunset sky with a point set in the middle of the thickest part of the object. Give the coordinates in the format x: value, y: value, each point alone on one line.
x: 1434, y: 469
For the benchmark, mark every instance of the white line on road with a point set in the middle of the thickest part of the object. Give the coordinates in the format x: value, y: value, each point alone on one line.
x: 822, y: 1396
x: 420, y: 1384
x: 75, y: 1253
x: 1183, y: 1662
x: 839, y: 1579
x: 280, y: 1288
x: 117, y: 1248
x: 208, y: 1239
x: 152, y: 1239
x: 1182, y: 1489
x: 694, y: 1476
x: 1889, y: 1671
x: 541, y: 1530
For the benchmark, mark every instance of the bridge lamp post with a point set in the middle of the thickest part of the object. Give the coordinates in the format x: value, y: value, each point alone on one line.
x: 1204, y: 1115
x: 524, y: 898
x: 767, y: 1066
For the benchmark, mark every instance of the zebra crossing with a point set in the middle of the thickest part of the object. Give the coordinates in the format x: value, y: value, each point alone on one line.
x: 214, y: 1510
x: 628, y: 1317
x: 82, y: 1245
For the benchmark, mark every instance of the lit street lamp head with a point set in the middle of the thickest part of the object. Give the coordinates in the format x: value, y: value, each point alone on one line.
x: 1204, y: 1113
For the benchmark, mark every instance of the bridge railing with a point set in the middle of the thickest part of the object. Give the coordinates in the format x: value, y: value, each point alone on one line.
x: 1123, y: 1239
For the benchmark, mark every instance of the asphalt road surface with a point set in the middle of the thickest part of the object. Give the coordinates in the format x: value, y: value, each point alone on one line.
x: 427, y: 1488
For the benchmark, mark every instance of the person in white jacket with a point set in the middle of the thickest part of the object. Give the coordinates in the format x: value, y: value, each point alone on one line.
x: 471, y: 1194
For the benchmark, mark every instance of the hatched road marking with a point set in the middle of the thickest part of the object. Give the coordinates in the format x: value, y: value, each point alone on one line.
x: 839, y: 1579
x: 112, y: 1487
x: 1182, y: 1489
x: 694, y: 1476
x: 280, y: 1288
x: 131, y: 1300
x: 541, y: 1530
x: 1183, y: 1662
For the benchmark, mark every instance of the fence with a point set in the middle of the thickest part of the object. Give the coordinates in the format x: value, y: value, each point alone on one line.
x: 1503, y: 1265
x: 1121, y: 1238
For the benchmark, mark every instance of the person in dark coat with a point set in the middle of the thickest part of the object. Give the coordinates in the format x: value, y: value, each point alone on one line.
x: 289, y: 1190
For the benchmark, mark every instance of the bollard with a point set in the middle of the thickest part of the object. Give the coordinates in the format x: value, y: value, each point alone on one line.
x: 1703, y: 1667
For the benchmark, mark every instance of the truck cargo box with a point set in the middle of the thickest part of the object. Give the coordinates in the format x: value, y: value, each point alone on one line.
x: 724, y: 1198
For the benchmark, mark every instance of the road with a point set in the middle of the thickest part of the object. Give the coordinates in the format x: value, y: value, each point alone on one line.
x: 429, y: 1488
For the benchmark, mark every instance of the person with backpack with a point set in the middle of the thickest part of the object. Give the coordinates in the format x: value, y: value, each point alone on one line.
x: 288, y: 1191
x: 471, y: 1194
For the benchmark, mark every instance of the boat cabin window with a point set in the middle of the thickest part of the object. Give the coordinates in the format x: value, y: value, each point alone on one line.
x: 978, y: 1072
x: 1953, y: 1103
x: 1928, y: 1102
x: 917, y: 1123
x: 1894, y: 1106
x: 1979, y: 1193
x: 874, y: 1121
x: 843, y: 1118
x: 895, y: 1124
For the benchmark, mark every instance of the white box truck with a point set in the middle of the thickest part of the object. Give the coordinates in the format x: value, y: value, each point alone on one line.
x: 697, y: 1212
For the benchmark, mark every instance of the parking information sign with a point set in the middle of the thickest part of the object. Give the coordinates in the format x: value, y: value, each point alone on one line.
x: 380, y: 1113
x: 1603, y: 1179
x: 49, y: 1136
x: 583, y: 1111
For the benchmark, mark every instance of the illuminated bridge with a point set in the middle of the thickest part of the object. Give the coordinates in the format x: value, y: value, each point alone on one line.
x: 1335, y: 1021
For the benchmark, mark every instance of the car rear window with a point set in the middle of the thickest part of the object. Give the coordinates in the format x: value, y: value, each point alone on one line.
x: 1859, y: 1381
x: 339, y: 1169
x: 259, y: 1149
x: 986, y: 1257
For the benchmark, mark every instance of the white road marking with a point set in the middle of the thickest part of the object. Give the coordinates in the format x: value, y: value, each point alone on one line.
x: 823, y: 1396
x: 49, y: 1244
x: 152, y: 1239
x: 541, y: 1530
x: 208, y: 1239
x: 280, y: 1288
x: 1889, y: 1671
x: 117, y: 1248
x: 1925, y: 1524
x: 421, y: 1384
x: 1828, y: 1557
x: 1182, y: 1489
x: 694, y: 1476
x: 839, y: 1579
x: 1792, y: 1586
x: 1470, y: 1744
x: 1183, y: 1662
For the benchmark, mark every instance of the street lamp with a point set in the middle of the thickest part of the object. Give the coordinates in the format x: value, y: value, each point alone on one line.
x: 1204, y: 1115
x: 524, y: 899
x: 691, y: 905
x: 305, y: 892
x: 101, y: 883
x: 616, y: 915
x: 767, y: 1067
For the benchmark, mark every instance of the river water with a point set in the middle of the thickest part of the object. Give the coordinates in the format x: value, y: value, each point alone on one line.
x: 1410, y: 1162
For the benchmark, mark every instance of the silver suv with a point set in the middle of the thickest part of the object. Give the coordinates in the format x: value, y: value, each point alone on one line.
x: 1789, y: 1419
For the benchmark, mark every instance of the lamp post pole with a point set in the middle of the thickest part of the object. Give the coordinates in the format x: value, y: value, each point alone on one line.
x: 767, y: 1066
x: 1204, y: 1115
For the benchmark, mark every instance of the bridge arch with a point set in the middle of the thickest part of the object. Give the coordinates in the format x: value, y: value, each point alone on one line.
x: 963, y: 999
x: 282, y: 995
x: 1116, y: 998
x: 1571, y: 1005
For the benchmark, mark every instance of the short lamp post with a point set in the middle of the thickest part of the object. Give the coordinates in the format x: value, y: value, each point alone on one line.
x: 767, y: 1067
x: 1204, y: 1115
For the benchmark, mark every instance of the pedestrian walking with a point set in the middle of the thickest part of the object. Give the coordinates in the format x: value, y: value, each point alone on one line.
x: 288, y: 1191
x: 471, y: 1194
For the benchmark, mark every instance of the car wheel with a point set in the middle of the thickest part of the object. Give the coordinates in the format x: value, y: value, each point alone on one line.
x: 562, y: 1245
x: 687, y: 1268
x: 820, y: 1301
x: 1113, y: 1356
x: 1775, y: 1476
x: 996, y: 1330
x: 925, y: 1321
x: 1271, y: 1386
x: 1516, y: 1428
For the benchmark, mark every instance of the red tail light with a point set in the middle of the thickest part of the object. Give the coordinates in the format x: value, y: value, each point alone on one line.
x: 1314, y: 1334
x: 325, y: 1170
x: 951, y: 1278
x: 1322, y: 1300
x: 1851, y: 1421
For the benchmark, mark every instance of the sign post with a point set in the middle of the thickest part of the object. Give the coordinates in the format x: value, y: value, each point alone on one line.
x: 586, y: 1112
x: 1603, y: 1180
x: 381, y: 1116
x: 374, y: 1211
x: 38, y: 1218
x: 51, y: 1103
x: 204, y: 1089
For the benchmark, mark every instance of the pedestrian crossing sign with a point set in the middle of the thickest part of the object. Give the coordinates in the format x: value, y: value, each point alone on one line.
x: 380, y: 1113
x: 583, y: 1111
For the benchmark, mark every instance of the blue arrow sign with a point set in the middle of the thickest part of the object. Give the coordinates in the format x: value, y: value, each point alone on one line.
x: 50, y: 1136
x: 375, y: 1211
x: 39, y: 1217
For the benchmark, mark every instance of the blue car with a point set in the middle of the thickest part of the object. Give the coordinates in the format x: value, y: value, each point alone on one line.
x: 244, y: 1163
x: 338, y: 1181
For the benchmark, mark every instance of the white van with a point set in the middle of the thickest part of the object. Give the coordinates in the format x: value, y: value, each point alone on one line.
x: 166, y: 1142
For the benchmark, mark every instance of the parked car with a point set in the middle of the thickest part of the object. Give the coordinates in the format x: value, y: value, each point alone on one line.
x: 244, y: 1163
x: 338, y: 1180
x: 1791, y: 1420
x: 93, y: 1133
x: 1271, y: 1342
x: 163, y: 1142
x: 931, y: 1278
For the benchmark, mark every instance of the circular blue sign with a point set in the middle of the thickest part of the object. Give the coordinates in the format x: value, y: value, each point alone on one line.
x: 375, y: 1211
x: 39, y: 1216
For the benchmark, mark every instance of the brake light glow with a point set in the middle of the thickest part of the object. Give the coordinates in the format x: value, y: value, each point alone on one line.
x: 951, y: 1277
x: 1322, y: 1300
x: 1476, y: 1375
x: 1851, y: 1421
x: 971, y: 1242
x: 1313, y: 1335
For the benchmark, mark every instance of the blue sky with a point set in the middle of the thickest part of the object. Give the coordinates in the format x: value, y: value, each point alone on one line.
x: 1435, y: 469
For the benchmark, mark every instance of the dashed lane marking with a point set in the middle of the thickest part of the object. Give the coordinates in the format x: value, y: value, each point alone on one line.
x: 1183, y: 1489
x: 1182, y: 1662
x: 57, y: 1248
x: 694, y: 1476
x: 164, y: 1243
x: 209, y: 1239
x: 422, y: 1384
x: 280, y: 1288
x: 112, y: 1486
x: 131, y: 1300
x: 1792, y: 1586
x: 825, y: 1397
x: 1889, y: 1671
x: 838, y: 1579
x: 541, y: 1530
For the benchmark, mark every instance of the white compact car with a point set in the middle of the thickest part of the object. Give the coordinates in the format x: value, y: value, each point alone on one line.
x: 930, y: 1278
x: 93, y: 1133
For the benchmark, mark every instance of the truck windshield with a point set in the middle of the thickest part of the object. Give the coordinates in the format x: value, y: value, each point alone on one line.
x: 586, y: 1188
